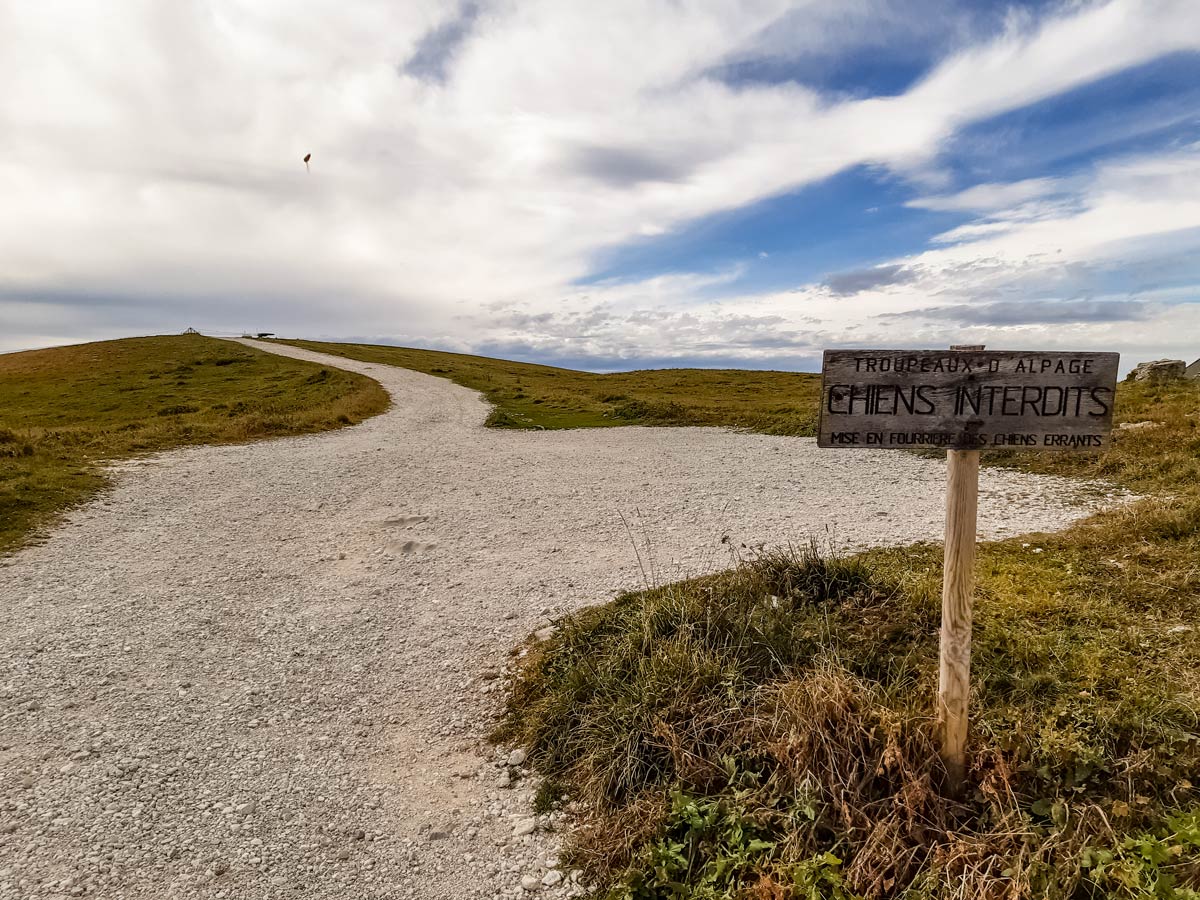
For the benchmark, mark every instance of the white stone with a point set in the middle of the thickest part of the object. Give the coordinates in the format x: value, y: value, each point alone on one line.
x: 524, y: 827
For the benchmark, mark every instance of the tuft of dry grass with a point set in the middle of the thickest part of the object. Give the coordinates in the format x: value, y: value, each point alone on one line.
x: 67, y: 410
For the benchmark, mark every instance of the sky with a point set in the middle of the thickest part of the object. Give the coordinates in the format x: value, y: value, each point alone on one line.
x: 634, y: 183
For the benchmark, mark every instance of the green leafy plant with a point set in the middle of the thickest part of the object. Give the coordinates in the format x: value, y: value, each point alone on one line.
x: 709, y: 849
x: 1148, y: 864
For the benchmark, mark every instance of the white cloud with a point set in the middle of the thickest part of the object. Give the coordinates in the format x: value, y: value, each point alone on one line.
x: 1111, y: 218
x: 152, y: 153
x: 988, y: 197
x: 1115, y: 264
x: 1021, y: 68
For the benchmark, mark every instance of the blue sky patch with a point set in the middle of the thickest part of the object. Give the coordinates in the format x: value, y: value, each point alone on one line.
x: 866, y: 73
x: 850, y: 220
x: 1146, y: 108
x: 877, y: 51
x: 842, y: 226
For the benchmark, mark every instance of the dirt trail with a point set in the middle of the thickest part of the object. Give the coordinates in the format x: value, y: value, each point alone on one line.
x: 253, y: 671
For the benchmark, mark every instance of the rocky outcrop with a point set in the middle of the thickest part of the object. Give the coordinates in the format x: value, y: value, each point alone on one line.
x: 1159, y: 370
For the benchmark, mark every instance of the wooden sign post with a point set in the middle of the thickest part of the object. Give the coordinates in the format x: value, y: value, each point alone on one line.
x: 964, y: 400
x: 958, y: 586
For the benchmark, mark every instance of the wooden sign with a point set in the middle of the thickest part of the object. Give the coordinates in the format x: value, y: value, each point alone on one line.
x: 964, y: 400
x: 967, y: 399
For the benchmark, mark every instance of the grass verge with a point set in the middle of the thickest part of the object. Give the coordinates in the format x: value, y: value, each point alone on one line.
x: 66, y: 410
x: 526, y: 395
x: 768, y: 732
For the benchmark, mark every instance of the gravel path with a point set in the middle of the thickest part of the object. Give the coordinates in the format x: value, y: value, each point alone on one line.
x: 265, y: 670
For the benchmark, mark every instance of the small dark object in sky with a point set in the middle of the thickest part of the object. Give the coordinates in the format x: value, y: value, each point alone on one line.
x: 307, y: 157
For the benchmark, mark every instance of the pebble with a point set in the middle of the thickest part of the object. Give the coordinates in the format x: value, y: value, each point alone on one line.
x: 524, y: 827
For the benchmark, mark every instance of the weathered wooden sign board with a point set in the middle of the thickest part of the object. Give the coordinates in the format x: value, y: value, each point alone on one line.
x: 964, y: 400
x: 967, y: 399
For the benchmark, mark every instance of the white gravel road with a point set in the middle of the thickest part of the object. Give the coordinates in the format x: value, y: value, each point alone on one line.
x: 263, y: 671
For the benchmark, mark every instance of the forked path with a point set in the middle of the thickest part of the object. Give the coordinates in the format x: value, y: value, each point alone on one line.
x: 254, y: 671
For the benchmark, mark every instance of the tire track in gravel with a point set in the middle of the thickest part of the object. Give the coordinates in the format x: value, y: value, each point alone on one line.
x: 253, y: 671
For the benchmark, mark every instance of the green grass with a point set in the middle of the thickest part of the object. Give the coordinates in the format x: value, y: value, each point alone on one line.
x: 531, y: 396
x: 66, y: 410
x: 1163, y: 458
x: 768, y: 732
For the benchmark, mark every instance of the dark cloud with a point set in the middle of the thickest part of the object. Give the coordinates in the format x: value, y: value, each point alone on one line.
x: 623, y: 167
x: 436, y: 48
x: 856, y: 281
x: 1033, y: 312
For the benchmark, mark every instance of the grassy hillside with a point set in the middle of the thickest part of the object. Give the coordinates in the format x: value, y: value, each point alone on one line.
x: 1161, y: 453
x: 768, y: 732
x: 65, y: 410
x: 532, y: 396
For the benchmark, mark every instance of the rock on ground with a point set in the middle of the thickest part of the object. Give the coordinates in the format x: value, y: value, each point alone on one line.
x: 266, y: 670
x: 1159, y: 370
